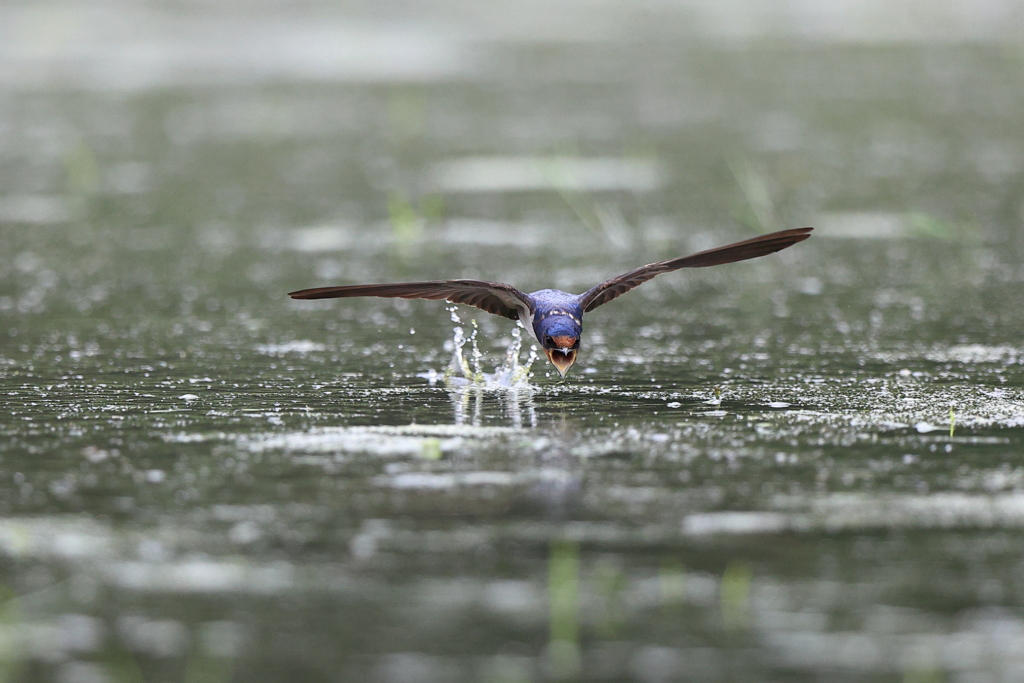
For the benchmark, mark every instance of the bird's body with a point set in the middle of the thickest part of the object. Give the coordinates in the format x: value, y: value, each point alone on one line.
x: 554, y: 317
x: 557, y: 324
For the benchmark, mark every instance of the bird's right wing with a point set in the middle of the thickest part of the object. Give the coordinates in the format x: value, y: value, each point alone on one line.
x: 738, y: 251
x: 493, y: 297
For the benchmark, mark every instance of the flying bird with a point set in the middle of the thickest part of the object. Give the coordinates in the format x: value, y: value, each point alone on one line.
x: 555, y: 318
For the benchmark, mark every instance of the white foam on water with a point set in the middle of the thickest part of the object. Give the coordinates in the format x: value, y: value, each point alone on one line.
x: 129, y: 47
x: 735, y: 523
x: 294, y: 346
x: 960, y: 353
x: 405, y: 440
x: 323, y: 238
x: 894, y: 401
x: 36, y: 209
x: 867, y: 512
x: 412, y: 440
x: 862, y: 225
x: 202, y: 576
x: 68, y: 539
x: 975, y: 353
x: 426, y: 480
x: 517, y: 174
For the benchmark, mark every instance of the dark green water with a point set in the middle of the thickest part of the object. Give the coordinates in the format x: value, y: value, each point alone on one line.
x: 801, y: 468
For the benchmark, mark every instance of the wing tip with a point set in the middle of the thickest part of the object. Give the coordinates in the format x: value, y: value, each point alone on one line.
x: 792, y: 233
x: 800, y: 234
x: 784, y: 238
x: 315, y: 293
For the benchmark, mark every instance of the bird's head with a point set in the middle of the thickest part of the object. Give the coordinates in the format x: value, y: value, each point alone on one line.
x: 559, y: 336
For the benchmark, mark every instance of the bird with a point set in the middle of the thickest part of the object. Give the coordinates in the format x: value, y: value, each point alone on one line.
x: 554, y: 317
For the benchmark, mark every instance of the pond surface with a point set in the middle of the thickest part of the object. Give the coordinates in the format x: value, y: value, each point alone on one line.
x: 801, y: 468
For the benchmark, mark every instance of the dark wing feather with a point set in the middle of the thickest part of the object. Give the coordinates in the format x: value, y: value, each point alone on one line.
x: 493, y: 297
x: 739, y: 251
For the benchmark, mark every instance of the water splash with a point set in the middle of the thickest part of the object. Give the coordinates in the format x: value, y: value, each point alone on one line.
x: 466, y: 367
x: 468, y: 383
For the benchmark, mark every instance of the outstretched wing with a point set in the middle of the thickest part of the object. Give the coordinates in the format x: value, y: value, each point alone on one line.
x: 739, y: 251
x: 493, y: 297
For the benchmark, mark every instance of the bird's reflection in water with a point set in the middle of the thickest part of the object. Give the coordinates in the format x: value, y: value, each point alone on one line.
x: 515, y: 403
x: 468, y: 405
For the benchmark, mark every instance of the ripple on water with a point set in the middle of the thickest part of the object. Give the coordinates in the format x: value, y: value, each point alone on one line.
x: 59, y: 538
x: 294, y: 346
x: 489, y: 174
x: 202, y: 576
x: 851, y: 512
x: 400, y: 440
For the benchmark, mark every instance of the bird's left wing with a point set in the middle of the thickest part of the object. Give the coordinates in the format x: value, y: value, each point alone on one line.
x: 493, y: 297
x: 738, y: 251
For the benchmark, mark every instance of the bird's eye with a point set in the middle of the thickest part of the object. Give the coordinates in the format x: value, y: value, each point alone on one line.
x: 549, y: 343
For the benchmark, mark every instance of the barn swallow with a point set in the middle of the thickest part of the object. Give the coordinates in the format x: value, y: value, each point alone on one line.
x: 555, y: 318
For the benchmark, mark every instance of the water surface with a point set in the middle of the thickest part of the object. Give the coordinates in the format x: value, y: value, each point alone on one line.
x: 800, y: 468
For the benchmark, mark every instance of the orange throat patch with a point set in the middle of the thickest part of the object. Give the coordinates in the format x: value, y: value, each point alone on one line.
x: 564, y: 341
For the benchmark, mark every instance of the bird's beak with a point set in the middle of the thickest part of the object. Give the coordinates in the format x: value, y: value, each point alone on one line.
x: 562, y: 359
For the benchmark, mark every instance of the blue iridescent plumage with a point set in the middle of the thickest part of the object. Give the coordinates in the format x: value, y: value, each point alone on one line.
x: 557, y: 323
